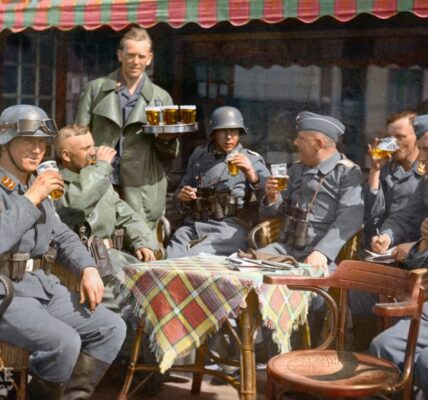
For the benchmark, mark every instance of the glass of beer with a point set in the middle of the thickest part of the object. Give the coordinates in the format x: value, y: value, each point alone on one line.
x: 46, y: 166
x: 188, y: 114
x: 92, y: 158
x: 385, y: 148
x: 279, y: 172
x: 232, y: 167
x: 153, y: 115
x: 170, y: 115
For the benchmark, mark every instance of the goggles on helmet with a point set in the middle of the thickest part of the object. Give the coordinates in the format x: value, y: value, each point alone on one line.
x: 30, y: 126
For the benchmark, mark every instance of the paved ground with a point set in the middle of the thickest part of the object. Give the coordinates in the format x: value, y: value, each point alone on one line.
x: 177, y: 387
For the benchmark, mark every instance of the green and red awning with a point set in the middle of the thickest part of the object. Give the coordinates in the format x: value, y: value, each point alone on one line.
x: 18, y: 15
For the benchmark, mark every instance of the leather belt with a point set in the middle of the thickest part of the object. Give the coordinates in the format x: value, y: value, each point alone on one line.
x: 108, y: 243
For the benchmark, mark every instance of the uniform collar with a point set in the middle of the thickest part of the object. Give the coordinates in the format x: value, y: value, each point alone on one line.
x: 219, y: 154
x: 68, y: 175
x: 10, y: 182
x: 327, y: 165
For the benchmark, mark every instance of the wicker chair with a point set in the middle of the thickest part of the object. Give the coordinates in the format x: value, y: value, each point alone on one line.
x: 13, y: 357
x: 268, y: 231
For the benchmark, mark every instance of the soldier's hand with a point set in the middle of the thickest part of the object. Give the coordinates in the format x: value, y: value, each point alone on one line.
x: 424, y: 229
x: 187, y: 193
x: 317, y: 259
x: 400, y: 252
x: 271, y: 189
x: 145, y: 254
x: 91, y: 287
x: 106, y: 153
x: 44, y: 184
x: 244, y: 164
x: 380, y: 243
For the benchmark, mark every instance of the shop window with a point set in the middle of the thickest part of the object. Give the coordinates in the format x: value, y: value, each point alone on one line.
x: 404, y: 88
x: 29, y: 70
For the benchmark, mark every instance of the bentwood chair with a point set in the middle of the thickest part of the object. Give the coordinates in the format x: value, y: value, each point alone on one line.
x: 336, y: 373
x: 12, y: 357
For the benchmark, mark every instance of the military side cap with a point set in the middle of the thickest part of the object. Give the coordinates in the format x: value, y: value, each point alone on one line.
x: 309, y: 121
x: 420, y: 125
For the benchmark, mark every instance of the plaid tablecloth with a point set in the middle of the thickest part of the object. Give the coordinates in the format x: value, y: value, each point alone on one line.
x: 184, y: 300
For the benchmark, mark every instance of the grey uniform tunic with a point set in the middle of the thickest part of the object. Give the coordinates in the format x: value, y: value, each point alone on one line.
x: 337, y: 212
x: 391, y: 344
x: 220, y: 237
x: 44, y: 317
x: 396, y: 187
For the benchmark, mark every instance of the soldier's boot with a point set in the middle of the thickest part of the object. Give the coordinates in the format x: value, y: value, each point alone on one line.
x: 86, y: 375
x: 40, y: 388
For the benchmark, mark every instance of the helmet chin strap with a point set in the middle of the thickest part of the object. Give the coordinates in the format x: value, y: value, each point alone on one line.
x: 6, y: 147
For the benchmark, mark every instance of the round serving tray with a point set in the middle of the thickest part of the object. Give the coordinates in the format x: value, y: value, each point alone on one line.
x: 179, y: 128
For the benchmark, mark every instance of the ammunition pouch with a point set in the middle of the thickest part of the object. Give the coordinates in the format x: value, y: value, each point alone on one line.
x: 117, y: 238
x: 212, y: 204
x: 15, y: 265
x: 98, y: 249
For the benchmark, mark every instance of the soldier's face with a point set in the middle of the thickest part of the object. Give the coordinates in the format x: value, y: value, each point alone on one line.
x: 307, y: 146
x: 77, y: 151
x: 27, y: 152
x: 226, y: 139
x: 423, y: 148
x: 403, y: 131
x: 135, y: 56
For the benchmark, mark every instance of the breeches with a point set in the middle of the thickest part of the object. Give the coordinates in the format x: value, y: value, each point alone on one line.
x: 55, y: 331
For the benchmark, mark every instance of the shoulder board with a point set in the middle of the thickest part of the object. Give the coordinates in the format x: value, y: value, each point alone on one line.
x: 253, y: 153
x: 8, y: 183
x: 346, y: 162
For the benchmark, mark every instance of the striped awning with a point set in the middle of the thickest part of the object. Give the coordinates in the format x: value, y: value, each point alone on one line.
x: 18, y: 15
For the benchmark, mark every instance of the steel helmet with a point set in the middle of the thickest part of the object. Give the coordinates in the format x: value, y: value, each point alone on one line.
x: 226, y: 118
x: 26, y: 120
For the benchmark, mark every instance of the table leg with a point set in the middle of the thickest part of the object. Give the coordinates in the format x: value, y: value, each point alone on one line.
x: 248, y: 325
x: 201, y: 353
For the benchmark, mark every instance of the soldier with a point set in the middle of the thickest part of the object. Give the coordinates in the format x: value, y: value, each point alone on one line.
x: 392, y: 182
x: 214, y: 201
x: 410, y: 221
x: 391, y: 344
x: 90, y: 201
x: 71, y: 338
x: 323, y: 205
x: 113, y: 108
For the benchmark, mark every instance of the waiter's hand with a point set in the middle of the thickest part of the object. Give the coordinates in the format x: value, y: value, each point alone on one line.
x: 145, y: 254
x: 91, y: 287
x: 167, y: 137
x: 44, y: 184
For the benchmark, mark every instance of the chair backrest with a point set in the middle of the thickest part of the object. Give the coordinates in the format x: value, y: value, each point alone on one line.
x: 265, y: 233
x: 269, y: 231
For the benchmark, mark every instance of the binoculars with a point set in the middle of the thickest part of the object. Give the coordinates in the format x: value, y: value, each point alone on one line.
x: 214, y: 204
x: 296, y: 227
